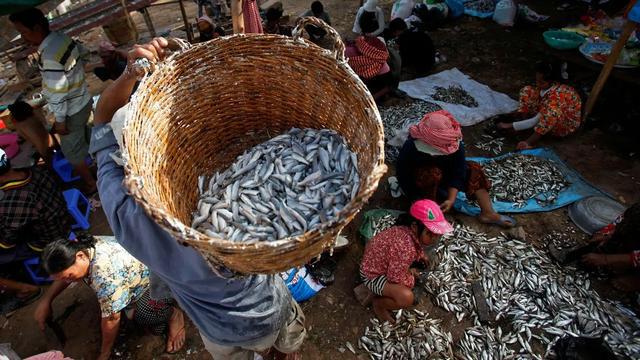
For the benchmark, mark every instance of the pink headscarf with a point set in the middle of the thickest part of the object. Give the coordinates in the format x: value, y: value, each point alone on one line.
x: 440, y: 130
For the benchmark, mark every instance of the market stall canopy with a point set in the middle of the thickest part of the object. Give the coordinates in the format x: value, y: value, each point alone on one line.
x: 10, y: 6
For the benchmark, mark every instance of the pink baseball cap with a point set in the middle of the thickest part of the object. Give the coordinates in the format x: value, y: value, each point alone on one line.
x: 429, y: 213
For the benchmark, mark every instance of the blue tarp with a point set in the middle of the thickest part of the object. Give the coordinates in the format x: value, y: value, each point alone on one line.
x: 578, y: 189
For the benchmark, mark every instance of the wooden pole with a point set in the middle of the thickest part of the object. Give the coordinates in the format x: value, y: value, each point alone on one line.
x: 237, y: 17
x: 628, y: 28
x: 147, y: 20
x: 187, y: 27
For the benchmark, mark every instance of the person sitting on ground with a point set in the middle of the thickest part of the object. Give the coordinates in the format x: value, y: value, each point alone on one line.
x: 317, y: 10
x: 206, y: 28
x: 272, y: 24
x: 370, y: 7
x: 368, y: 58
x: 61, y: 62
x: 615, y: 247
x: 114, y: 62
x: 432, y: 165
x: 549, y: 107
x: 121, y: 284
x: 31, y: 128
x: 396, y: 27
x: 33, y: 213
x: 386, y: 263
x: 236, y: 315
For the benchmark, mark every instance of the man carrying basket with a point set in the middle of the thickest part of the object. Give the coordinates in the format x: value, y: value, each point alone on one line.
x: 235, y: 316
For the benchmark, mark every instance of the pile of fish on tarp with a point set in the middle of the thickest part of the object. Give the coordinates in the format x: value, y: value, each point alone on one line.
x: 454, y: 94
x: 535, y: 301
x: 518, y: 178
x: 395, y: 118
x: 283, y: 187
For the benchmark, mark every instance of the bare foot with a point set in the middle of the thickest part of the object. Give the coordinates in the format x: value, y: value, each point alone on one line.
x: 626, y: 283
x: 496, y: 219
x: 383, y: 314
x: 175, y: 338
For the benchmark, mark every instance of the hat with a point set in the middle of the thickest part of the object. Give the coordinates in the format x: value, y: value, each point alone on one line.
x: 4, y: 160
x: 429, y: 213
x: 370, y: 5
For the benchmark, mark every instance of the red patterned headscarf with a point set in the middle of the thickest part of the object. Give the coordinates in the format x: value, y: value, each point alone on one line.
x: 373, y: 55
x: 440, y: 130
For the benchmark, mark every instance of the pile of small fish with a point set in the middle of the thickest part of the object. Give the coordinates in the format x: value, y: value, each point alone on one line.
x: 454, y: 94
x: 413, y: 336
x: 483, y: 6
x: 518, y: 178
x: 398, y: 117
x: 560, y: 240
x: 283, y: 187
x: 535, y: 301
x: 491, y: 144
x: 382, y: 223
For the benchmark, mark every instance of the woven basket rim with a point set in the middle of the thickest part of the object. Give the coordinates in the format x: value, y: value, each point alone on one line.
x: 183, y: 232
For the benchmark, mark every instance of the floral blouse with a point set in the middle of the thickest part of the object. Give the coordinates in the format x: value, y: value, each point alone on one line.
x: 391, y: 253
x: 117, y: 278
x: 560, y: 109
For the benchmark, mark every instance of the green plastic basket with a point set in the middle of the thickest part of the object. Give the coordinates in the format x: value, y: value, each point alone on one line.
x: 562, y: 40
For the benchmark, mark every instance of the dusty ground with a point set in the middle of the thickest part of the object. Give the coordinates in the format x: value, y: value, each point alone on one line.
x: 502, y: 59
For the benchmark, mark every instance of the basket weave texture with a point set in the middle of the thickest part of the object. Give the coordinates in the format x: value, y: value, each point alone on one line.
x: 203, y: 107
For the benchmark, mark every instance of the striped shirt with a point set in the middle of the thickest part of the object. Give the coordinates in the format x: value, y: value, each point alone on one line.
x: 62, y: 70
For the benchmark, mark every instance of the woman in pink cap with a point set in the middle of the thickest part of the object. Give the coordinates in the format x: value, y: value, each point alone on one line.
x: 432, y: 165
x: 386, y: 264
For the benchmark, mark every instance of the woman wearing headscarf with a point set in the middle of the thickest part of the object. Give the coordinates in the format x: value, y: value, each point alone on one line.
x: 368, y: 57
x: 432, y: 165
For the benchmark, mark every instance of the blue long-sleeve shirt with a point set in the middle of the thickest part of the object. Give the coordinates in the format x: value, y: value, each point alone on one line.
x: 230, y: 312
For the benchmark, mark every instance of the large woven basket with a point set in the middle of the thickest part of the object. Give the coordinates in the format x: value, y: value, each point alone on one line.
x: 204, y: 106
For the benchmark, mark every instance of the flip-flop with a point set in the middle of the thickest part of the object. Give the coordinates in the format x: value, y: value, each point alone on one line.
x: 502, y: 221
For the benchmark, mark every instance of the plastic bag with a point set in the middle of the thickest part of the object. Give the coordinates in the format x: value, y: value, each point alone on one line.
x: 402, y: 9
x: 505, y: 12
x: 366, y: 229
x: 301, y: 284
x: 456, y: 8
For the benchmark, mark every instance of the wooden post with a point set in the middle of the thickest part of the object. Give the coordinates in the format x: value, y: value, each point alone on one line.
x: 237, y: 17
x: 132, y: 25
x: 628, y: 28
x: 187, y: 27
x: 147, y: 20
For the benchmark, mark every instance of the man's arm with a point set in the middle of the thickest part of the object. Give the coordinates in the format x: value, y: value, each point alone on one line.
x: 132, y: 227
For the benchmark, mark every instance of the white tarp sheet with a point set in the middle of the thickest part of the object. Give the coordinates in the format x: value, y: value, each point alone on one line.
x: 490, y: 103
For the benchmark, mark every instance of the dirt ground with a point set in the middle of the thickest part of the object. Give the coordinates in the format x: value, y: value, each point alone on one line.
x: 500, y: 58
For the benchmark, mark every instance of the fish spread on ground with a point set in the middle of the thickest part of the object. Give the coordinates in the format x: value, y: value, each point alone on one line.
x: 535, y: 301
x: 518, y: 178
x: 400, y: 117
x: 284, y: 187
